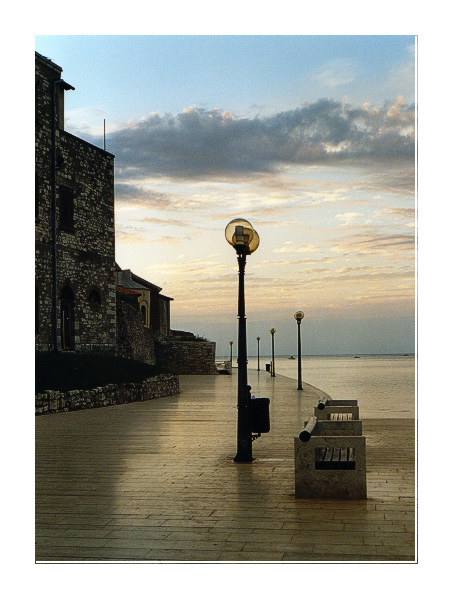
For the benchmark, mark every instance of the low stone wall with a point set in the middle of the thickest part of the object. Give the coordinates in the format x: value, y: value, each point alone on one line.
x: 109, y: 395
x: 184, y: 357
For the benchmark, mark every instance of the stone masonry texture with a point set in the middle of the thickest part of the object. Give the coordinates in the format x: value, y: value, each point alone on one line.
x: 85, y: 250
x: 186, y: 357
x: 152, y: 388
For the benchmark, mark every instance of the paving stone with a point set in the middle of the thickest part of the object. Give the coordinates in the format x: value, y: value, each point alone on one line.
x: 156, y: 481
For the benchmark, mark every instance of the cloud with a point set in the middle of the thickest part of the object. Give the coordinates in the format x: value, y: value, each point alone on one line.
x: 380, y: 244
x: 170, y: 221
x: 198, y: 144
x: 407, y: 213
x: 347, y: 219
x: 132, y: 194
x: 335, y: 73
x: 124, y: 236
x: 289, y: 246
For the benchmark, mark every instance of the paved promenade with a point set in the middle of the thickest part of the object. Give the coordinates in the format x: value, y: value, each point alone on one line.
x: 155, y: 481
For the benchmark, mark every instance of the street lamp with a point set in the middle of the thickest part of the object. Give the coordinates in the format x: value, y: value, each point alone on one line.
x: 245, y: 240
x: 272, y: 368
x: 298, y: 317
x: 231, y: 354
x: 257, y: 339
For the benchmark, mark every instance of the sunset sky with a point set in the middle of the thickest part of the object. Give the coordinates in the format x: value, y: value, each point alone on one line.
x: 310, y: 138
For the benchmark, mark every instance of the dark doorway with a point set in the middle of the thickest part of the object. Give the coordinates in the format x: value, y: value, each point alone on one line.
x: 67, y: 319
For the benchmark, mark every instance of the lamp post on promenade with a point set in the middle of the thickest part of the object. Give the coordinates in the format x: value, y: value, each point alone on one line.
x: 298, y: 317
x: 231, y: 354
x: 272, y: 368
x: 245, y: 240
x: 257, y: 339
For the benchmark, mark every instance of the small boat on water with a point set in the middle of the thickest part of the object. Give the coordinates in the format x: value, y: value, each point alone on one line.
x: 291, y: 358
x: 356, y: 356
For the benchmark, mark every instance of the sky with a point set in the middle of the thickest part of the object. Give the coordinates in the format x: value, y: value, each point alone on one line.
x: 310, y: 138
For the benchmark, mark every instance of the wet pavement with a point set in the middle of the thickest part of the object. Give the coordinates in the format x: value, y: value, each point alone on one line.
x: 155, y: 481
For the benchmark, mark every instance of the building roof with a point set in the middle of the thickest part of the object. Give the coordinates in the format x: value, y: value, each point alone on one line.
x: 127, y: 291
x: 130, y: 284
x: 145, y: 283
x: 47, y: 61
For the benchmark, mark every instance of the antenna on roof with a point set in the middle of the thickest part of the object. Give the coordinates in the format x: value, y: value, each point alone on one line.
x: 104, y: 134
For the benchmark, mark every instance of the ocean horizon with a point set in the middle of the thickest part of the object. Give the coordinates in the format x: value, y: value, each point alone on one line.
x: 383, y: 384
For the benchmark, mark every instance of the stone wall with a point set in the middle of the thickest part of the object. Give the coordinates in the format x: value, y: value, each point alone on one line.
x: 56, y: 401
x: 133, y: 339
x: 74, y: 199
x: 186, y: 357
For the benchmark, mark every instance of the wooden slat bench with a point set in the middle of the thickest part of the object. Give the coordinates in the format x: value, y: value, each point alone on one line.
x: 327, y: 408
x: 336, y: 417
x: 330, y: 466
x: 335, y: 458
x: 327, y: 401
x: 340, y: 427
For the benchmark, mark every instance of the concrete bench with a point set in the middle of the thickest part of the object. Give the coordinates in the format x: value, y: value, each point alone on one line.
x: 329, y: 409
x: 338, y: 427
x: 330, y: 466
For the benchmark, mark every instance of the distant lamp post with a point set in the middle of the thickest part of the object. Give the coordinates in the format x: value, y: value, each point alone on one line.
x: 231, y: 354
x: 272, y: 368
x: 257, y: 339
x: 298, y: 317
x: 245, y: 240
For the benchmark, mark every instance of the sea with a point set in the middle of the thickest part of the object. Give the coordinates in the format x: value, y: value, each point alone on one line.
x: 384, y: 385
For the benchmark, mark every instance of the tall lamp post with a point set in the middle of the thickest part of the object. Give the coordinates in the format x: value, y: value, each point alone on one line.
x: 231, y: 354
x: 272, y: 368
x: 298, y: 317
x: 245, y: 240
x: 257, y: 339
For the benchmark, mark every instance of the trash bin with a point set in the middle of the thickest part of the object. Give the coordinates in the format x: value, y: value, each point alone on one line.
x: 259, y: 412
x: 268, y: 367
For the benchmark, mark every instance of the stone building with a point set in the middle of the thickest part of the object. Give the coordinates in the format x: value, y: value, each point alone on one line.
x: 153, y: 306
x: 75, y: 288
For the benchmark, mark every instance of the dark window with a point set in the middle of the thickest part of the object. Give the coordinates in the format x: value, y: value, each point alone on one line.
x: 144, y: 313
x: 94, y: 296
x: 66, y: 206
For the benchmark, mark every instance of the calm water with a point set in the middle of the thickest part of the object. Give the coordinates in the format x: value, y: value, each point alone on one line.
x: 383, y: 385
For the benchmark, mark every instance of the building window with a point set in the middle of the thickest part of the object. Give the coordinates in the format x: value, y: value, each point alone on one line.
x: 144, y: 314
x: 66, y: 208
x: 94, y: 299
x: 94, y: 296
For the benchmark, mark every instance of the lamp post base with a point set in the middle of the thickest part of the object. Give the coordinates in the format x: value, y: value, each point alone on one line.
x: 243, y: 458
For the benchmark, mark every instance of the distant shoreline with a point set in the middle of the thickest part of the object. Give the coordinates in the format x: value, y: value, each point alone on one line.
x: 403, y: 355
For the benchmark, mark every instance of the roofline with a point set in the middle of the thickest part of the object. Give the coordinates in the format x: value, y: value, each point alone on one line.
x: 48, y: 62
x: 128, y: 290
x: 145, y: 283
x: 69, y: 134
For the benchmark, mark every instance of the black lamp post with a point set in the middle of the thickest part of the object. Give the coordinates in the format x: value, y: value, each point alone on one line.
x: 298, y: 317
x: 245, y: 240
x: 257, y: 339
x: 231, y: 354
x: 272, y: 371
